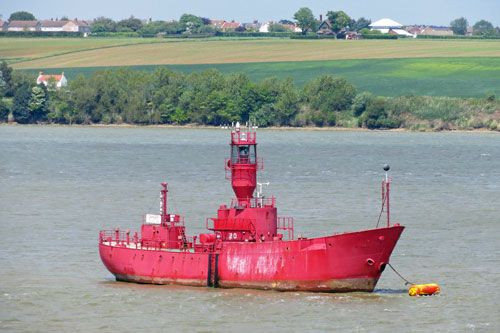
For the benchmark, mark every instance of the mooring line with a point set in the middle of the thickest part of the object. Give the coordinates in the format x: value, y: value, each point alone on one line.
x: 380, y: 215
x: 395, y: 271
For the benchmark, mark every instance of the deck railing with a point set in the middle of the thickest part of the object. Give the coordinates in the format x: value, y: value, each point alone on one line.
x: 122, y: 238
x: 239, y: 136
x: 254, y: 202
x: 286, y: 223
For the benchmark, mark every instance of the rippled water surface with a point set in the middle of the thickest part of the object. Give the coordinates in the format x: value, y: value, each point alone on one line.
x: 60, y: 185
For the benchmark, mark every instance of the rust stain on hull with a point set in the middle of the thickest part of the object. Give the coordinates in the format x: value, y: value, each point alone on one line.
x: 333, y: 286
x: 159, y: 280
x: 344, y: 285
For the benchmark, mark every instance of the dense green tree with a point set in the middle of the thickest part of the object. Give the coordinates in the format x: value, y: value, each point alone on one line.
x: 207, y: 29
x: 305, y: 20
x: 366, y: 31
x: 59, y: 112
x: 19, y: 79
x: 172, y: 28
x: 3, y: 85
x: 20, y: 104
x: 361, y: 23
x: 339, y: 20
x: 360, y: 102
x: 240, y: 88
x: 168, y: 89
x: 264, y: 116
x: 190, y: 23
x: 131, y: 24
x: 287, y: 102
x: 21, y: 16
x: 205, y: 20
x: 7, y: 78
x: 275, y: 27
x: 459, y: 26
x: 103, y: 24
x: 38, y: 103
x: 4, y: 111
x: 153, y: 28
x: 484, y: 28
x: 376, y: 115
x: 328, y: 94
x: 82, y: 101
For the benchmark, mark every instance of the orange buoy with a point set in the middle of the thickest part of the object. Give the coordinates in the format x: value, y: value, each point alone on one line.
x: 424, y: 289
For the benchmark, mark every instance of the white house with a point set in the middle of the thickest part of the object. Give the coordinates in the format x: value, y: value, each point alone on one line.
x: 60, y: 80
x: 387, y: 25
x: 75, y: 26
x: 291, y: 27
x: 264, y: 27
x: 24, y: 26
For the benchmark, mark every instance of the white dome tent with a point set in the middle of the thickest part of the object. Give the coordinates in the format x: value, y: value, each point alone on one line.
x: 387, y: 25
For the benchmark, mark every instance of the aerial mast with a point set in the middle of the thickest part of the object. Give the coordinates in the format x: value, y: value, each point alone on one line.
x: 163, y: 204
x: 385, y: 192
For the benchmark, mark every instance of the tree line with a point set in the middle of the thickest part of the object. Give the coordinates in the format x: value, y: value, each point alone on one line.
x: 163, y: 96
x: 303, y: 18
x: 480, y: 28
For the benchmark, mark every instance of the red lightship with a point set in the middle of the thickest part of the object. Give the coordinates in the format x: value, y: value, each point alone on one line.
x: 246, y: 247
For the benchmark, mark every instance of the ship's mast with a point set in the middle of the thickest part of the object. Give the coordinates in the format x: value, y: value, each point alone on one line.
x: 163, y: 204
x: 385, y: 193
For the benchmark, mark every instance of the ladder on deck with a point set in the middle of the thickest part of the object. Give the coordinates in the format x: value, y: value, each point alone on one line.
x: 183, y: 239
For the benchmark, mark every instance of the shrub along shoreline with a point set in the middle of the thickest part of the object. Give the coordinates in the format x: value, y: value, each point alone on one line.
x: 210, y: 98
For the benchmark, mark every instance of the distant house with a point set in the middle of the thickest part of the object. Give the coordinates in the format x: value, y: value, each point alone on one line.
x: 292, y: 27
x: 60, y: 80
x: 414, y: 29
x: 226, y: 26
x: 388, y: 26
x: 265, y: 27
x: 217, y: 24
x: 51, y: 25
x: 325, y: 28
x: 429, y: 30
x: 72, y: 26
x: 24, y: 26
x: 434, y: 31
x: 3, y: 25
x: 255, y: 25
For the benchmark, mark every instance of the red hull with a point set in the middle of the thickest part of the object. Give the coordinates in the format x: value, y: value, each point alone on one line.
x: 345, y: 262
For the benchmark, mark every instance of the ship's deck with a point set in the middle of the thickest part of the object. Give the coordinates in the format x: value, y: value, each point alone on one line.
x: 137, y: 246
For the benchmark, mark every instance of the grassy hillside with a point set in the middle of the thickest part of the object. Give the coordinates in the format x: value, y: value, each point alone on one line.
x: 18, y: 49
x: 452, y: 77
x: 127, y: 52
x: 454, y: 68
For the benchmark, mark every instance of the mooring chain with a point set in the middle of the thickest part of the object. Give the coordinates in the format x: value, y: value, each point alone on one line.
x: 395, y: 271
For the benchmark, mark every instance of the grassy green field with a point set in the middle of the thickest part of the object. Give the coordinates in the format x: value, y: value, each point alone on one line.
x: 453, y: 77
x: 134, y: 52
x: 456, y: 68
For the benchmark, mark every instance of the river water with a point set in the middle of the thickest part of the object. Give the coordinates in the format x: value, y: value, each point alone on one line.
x: 60, y: 185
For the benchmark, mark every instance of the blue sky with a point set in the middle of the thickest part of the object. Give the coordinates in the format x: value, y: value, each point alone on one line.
x: 437, y: 12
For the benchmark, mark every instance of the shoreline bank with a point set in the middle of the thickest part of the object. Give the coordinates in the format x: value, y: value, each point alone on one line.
x: 274, y: 128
